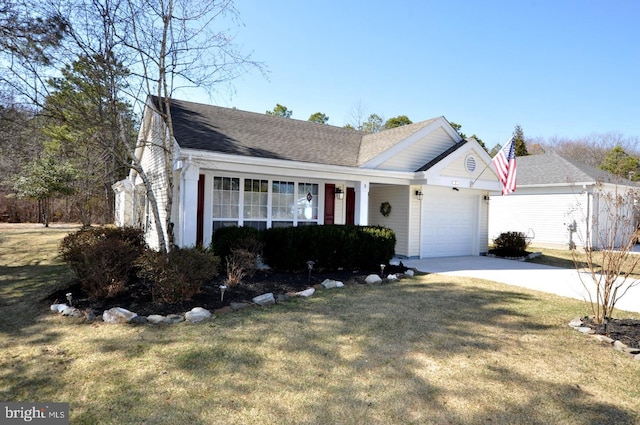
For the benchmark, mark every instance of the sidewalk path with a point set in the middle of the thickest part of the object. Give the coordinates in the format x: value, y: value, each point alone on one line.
x: 559, y: 281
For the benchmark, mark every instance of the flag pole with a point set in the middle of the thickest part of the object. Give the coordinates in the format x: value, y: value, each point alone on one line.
x: 490, y: 163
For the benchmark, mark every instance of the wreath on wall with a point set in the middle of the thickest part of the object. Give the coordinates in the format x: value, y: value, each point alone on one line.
x: 385, y: 209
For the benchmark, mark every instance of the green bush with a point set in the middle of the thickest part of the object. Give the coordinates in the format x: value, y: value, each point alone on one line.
x: 103, y: 258
x: 510, y: 244
x: 178, y: 275
x: 330, y: 246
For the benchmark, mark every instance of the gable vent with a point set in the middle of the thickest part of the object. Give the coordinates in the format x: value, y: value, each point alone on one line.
x: 470, y: 163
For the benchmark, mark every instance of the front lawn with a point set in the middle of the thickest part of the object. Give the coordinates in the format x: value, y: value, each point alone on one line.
x: 429, y: 350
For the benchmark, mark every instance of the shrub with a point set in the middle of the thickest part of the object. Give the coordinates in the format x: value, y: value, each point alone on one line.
x: 510, y: 244
x: 103, y: 258
x: 178, y: 275
x: 330, y: 246
x: 240, y: 248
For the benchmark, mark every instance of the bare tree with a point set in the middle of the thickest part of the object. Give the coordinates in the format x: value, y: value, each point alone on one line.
x: 608, y: 244
x: 177, y: 44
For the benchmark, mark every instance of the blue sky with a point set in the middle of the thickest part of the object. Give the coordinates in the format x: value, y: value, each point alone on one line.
x: 558, y: 68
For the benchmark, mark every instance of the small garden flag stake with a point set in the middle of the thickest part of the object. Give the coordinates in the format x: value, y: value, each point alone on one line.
x: 505, y: 163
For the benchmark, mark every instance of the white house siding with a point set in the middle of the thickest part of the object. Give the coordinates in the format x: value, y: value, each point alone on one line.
x: 544, y: 217
x: 449, y: 222
x: 153, y: 159
x: 398, y: 219
x: 415, y: 214
x: 483, y: 237
x: 420, y: 152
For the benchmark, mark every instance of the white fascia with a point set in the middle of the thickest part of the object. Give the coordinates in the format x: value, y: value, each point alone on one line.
x: 242, y: 164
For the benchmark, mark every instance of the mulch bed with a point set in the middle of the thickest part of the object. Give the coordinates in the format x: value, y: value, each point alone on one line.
x: 626, y: 331
x: 137, y: 296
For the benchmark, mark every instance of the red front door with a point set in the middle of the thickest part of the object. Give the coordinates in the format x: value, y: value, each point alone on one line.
x: 329, y: 203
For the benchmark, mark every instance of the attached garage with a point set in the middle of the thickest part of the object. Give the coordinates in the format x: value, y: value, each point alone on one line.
x: 450, y: 222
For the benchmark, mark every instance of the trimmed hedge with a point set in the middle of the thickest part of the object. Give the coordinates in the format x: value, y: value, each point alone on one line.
x: 330, y: 247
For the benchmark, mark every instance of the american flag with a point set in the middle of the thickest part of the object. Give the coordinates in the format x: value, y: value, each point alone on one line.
x: 505, y: 163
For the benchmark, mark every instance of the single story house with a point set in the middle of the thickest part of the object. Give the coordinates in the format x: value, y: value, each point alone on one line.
x: 561, y: 203
x: 239, y: 168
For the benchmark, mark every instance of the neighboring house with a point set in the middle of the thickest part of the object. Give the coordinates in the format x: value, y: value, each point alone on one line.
x: 560, y: 203
x: 242, y: 168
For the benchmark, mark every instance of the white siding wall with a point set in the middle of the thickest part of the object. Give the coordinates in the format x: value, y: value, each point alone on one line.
x: 153, y: 164
x: 421, y: 152
x: 398, y: 220
x: 415, y: 213
x: 545, y: 217
x: 483, y: 235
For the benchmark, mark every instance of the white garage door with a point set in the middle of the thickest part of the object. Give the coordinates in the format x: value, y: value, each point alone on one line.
x: 449, y: 223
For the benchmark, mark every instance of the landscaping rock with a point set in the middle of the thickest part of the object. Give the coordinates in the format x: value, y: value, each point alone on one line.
x: 330, y: 283
x: 306, y: 293
x: 117, y: 315
x: 59, y: 308
x: 173, y: 319
x: 409, y: 273
x: 156, y: 319
x: 392, y: 277
x: 264, y: 299
x: 576, y: 322
x: 138, y: 320
x: 603, y: 338
x: 585, y: 330
x: 620, y: 346
x: 197, y: 315
x: 72, y: 312
x: 373, y: 278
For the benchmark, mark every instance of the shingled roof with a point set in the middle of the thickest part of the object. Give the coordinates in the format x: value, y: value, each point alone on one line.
x: 551, y: 168
x: 232, y: 131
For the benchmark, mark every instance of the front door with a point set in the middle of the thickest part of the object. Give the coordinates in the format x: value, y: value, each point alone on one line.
x: 329, y: 203
x: 351, y: 206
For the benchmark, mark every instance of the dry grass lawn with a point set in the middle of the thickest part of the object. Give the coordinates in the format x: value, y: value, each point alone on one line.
x: 428, y: 350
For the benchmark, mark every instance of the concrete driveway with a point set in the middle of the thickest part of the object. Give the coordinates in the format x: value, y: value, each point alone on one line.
x: 564, y: 282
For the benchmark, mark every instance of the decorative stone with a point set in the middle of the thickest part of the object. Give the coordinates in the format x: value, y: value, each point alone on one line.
x: 409, y: 273
x: 155, y: 319
x: 264, y: 299
x: 330, y: 283
x: 392, y: 277
x: 373, y: 278
x: 58, y: 308
x: 117, y: 315
x: 576, y: 322
x: 306, y: 293
x: 72, y: 312
x: 585, y: 330
x: 603, y: 338
x: 620, y: 346
x: 173, y: 318
x: 238, y: 306
x: 138, y: 320
x: 197, y: 315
